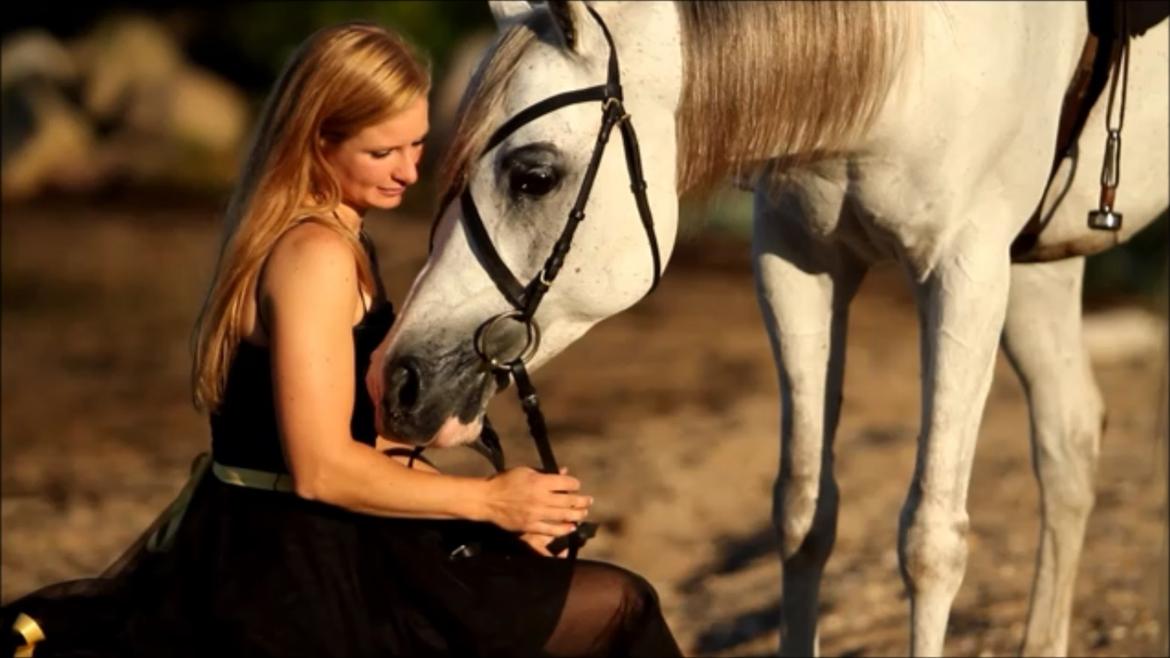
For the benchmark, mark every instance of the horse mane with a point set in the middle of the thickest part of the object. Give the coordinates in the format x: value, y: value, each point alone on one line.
x: 761, y: 81
x: 779, y: 80
x: 483, y: 100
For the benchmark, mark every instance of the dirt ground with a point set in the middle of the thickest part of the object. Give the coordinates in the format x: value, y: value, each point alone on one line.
x: 668, y: 413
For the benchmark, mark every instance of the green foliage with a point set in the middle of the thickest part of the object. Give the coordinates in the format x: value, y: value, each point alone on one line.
x: 267, y: 32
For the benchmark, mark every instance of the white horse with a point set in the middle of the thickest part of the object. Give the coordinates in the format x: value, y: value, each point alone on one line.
x: 918, y: 132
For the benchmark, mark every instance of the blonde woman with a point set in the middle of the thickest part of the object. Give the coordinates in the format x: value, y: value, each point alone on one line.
x: 298, y: 537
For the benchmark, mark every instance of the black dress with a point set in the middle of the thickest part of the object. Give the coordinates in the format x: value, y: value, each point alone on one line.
x: 248, y: 572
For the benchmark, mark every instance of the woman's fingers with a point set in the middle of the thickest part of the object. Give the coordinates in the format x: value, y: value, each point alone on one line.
x: 566, y: 483
x: 563, y: 514
x: 553, y: 530
x: 539, y: 543
x: 569, y: 501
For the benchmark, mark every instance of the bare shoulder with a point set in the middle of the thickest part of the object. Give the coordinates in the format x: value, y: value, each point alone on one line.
x: 310, y: 252
x: 310, y: 247
x: 310, y: 265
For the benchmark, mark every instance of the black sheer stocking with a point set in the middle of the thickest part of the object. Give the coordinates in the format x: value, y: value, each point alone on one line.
x: 610, y: 612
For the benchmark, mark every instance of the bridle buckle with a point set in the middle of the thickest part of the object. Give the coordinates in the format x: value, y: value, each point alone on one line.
x: 611, y: 101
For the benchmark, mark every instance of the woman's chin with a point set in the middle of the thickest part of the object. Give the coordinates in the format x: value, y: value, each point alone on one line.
x: 385, y: 201
x: 454, y: 433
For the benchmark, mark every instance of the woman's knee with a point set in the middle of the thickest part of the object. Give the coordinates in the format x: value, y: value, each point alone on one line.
x: 630, y: 594
x: 611, y: 610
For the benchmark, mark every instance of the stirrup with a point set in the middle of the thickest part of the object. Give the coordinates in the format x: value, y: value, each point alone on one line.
x: 1105, y: 218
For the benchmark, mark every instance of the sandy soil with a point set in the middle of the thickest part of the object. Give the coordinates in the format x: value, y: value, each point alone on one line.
x: 668, y: 413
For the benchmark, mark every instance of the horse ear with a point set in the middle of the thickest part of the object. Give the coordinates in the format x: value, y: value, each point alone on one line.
x: 509, y: 12
x: 562, y: 14
x: 576, y: 27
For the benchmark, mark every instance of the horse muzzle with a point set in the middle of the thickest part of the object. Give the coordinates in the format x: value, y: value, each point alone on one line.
x: 427, y: 400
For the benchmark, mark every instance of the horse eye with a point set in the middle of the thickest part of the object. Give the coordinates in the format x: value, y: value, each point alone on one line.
x: 535, y: 182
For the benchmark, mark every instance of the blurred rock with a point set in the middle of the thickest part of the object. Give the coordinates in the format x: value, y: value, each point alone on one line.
x: 207, y: 111
x: 45, y: 137
x: 185, y: 129
x: 119, y: 103
x: 53, y: 144
x: 173, y: 120
x: 35, y: 54
x: 124, y: 57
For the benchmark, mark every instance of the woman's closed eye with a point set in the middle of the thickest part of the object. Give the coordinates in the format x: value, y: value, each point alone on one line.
x: 379, y: 154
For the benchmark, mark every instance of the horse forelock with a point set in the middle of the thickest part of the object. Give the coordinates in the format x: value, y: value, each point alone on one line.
x: 480, y: 107
x: 779, y: 80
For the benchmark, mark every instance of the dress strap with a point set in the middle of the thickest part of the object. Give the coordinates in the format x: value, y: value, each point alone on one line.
x: 372, y: 256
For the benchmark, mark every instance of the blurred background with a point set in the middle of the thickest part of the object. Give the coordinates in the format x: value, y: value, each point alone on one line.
x: 123, y: 125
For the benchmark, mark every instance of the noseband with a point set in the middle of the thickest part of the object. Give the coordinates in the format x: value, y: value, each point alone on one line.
x: 525, y: 299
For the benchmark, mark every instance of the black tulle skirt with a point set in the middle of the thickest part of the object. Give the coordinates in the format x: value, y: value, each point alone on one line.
x: 258, y: 573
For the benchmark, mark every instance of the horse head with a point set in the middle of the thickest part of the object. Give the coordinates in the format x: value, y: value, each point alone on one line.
x: 526, y: 154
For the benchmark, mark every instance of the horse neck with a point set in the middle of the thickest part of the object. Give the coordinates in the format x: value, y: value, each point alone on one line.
x: 788, y: 80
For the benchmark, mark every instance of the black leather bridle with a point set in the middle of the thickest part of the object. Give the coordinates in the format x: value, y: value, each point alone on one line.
x: 525, y: 299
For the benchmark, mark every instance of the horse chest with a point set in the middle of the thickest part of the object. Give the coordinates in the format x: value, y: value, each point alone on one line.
x: 878, y: 210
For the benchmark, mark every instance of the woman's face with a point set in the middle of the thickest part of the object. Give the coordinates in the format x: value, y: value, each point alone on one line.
x: 375, y: 166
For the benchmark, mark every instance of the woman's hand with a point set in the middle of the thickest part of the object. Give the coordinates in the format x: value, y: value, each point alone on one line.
x: 523, y: 500
x: 539, y: 543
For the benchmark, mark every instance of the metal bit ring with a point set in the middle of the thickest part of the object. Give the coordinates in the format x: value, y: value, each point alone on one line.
x: 531, y: 344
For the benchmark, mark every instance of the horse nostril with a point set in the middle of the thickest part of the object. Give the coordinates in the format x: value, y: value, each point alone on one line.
x: 405, y: 383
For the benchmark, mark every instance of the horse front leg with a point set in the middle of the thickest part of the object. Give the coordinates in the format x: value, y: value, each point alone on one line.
x: 1042, y: 339
x: 961, y: 309
x: 804, y: 290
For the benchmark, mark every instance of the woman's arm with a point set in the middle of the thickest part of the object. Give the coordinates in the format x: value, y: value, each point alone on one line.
x: 309, y: 296
x: 401, y: 453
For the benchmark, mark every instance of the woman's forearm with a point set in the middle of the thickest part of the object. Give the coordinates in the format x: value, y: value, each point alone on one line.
x: 362, y: 479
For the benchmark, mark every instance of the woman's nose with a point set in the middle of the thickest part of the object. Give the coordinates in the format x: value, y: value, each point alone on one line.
x: 407, y: 171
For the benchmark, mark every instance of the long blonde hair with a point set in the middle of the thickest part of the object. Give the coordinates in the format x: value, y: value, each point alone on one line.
x: 341, y: 80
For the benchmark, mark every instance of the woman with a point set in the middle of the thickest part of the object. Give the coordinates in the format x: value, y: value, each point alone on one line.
x: 298, y: 537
